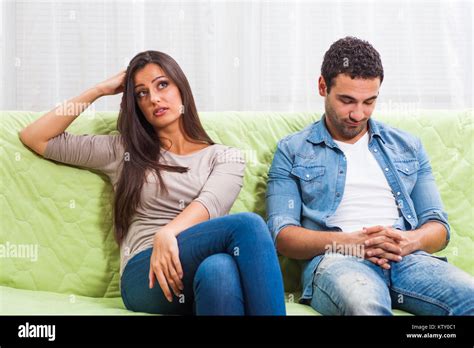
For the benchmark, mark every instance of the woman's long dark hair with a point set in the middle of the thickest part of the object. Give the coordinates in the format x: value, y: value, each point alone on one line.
x: 141, y: 143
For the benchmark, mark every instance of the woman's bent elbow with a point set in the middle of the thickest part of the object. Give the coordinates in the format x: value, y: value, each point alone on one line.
x: 37, y: 146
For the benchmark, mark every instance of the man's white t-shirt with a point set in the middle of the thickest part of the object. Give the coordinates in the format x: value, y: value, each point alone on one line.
x: 367, y: 199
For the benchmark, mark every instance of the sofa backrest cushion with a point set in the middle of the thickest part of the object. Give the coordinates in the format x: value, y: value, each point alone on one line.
x: 66, y: 212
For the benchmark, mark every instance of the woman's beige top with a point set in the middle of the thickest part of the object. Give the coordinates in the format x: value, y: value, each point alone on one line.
x: 214, y: 179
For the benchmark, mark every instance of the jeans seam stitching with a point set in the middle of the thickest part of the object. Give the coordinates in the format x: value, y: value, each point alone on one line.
x: 421, y: 297
x: 330, y: 298
x: 125, y: 300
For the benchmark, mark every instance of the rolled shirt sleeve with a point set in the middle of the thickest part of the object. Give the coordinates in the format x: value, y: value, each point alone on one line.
x: 224, y: 182
x: 425, y: 195
x: 89, y: 151
x: 283, y: 200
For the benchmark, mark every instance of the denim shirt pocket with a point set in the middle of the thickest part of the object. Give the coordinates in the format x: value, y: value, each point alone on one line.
x: 407, y: 171
x: 310, y: 179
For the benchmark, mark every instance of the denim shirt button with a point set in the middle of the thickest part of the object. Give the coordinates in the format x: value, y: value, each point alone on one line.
x: 337, y: 194
x: 341, y: 172
x: 398, y: 193
x: 386, y: 169
x: 375, y: 150
x: 307, y: 175
x: 409, y: 216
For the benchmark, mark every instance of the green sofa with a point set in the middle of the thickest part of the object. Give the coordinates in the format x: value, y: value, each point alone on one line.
x: 65, y: 212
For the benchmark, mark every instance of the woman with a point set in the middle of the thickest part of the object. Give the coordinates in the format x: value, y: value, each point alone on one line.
x: 173, y: 187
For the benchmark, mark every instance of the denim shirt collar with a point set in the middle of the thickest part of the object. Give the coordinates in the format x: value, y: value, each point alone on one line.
x: 320, y: 134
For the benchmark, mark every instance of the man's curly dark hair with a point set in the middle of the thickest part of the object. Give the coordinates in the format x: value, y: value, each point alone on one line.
x: 351, y: 56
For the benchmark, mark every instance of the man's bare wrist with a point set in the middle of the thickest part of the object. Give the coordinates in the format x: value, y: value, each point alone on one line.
x: 349, y: 239
x: 415, y: 241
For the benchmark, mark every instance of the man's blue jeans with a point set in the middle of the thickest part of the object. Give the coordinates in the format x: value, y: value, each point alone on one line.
x: 421, y: 284
x: 230, y: 267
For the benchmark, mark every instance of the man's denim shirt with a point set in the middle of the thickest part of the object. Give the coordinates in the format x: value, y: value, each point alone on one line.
x: 307, y: 178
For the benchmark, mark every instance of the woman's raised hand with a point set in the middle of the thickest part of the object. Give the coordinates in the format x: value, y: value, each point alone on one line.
x: 112, y: 85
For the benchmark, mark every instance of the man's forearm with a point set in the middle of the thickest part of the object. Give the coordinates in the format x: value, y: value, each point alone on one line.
x: 431, y: 237
x: 303, y: 244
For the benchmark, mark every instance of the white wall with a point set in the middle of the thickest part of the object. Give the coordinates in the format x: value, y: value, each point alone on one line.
x: 238, y: 55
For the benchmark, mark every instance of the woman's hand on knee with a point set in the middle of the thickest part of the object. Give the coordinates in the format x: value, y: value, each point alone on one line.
x: 165, y: 264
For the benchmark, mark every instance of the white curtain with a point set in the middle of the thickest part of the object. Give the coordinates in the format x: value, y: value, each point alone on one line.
x: 237, y: 55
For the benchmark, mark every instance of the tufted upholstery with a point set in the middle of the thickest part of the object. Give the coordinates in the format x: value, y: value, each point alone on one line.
x: 66, y: 211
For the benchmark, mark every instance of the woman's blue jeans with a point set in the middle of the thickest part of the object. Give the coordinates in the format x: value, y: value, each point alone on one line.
x: 230, y: 267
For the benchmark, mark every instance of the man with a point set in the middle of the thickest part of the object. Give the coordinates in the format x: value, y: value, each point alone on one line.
x: 348, y: 183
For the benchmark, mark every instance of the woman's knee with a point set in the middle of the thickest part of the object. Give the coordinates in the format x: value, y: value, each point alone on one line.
x: 251, y: 218
x: 215, y: 272
x: 251, y: 225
